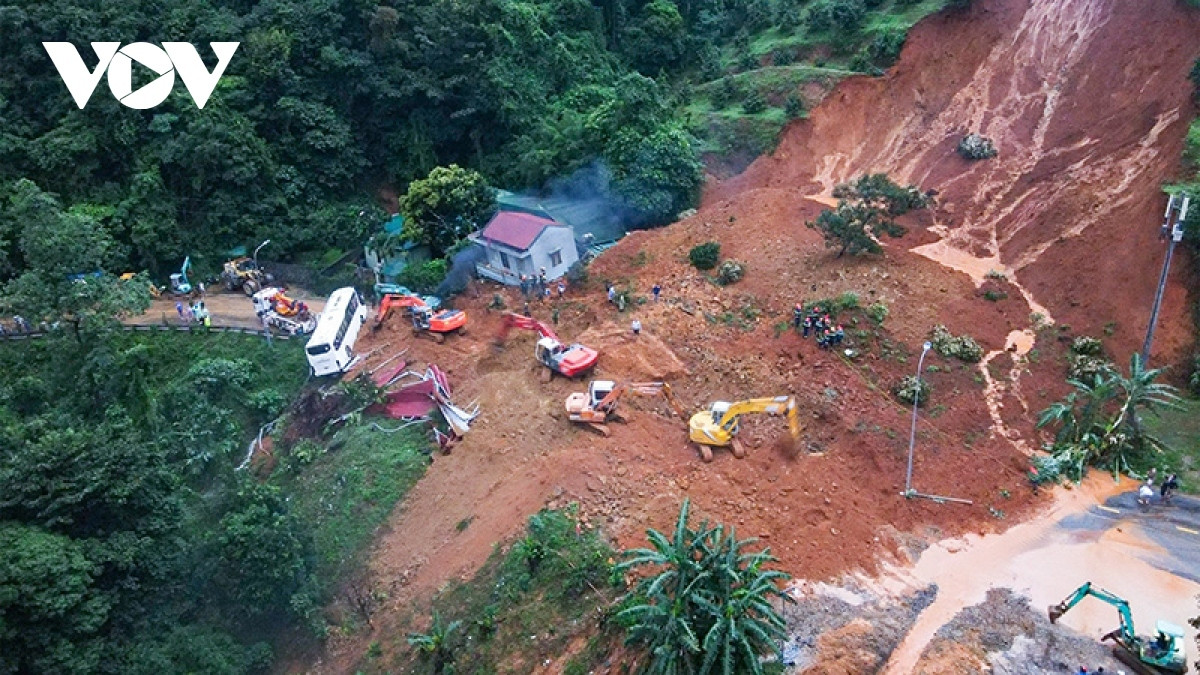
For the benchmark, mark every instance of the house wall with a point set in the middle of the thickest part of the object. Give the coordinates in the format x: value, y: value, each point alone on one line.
x: 560, y: 239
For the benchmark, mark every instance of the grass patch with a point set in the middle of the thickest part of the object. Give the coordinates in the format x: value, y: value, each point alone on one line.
x: 529, y: 602
x: 1180, y: 430
x: 347, y: 492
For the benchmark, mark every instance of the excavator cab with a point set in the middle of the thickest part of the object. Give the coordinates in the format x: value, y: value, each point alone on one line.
x: 421, y: 317
x: 718, y: 410
x: 598, y: 390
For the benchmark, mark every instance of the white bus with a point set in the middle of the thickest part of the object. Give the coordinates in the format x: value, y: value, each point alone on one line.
x: 331, y: 347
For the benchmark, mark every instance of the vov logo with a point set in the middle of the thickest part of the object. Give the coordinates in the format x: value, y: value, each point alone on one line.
x: 171, y: 58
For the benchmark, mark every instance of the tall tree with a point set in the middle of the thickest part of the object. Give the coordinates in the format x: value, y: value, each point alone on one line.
x: 447, y: 205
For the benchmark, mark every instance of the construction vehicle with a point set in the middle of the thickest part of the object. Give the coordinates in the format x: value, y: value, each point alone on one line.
x: 244, y: 273
x: 568, y: 360
x: 598, y: 405
x: 179, y: 280
x: 717, y: 427
x: 282, y: 313
x: 426, y: 322
x: 154, y: 290
x: 1162, y: 654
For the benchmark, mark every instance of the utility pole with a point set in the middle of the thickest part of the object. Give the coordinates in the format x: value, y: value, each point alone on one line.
x: 1176, y: 205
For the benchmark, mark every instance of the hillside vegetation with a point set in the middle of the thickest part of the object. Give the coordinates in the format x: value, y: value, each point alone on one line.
x: 324, y: 104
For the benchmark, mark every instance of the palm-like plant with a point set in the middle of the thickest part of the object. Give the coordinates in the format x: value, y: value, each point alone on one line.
x: 1099, y: 421
x: 436, y: 643
x: 707, y: 609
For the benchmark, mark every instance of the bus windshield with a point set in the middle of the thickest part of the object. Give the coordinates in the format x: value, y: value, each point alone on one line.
x: 317, y: 350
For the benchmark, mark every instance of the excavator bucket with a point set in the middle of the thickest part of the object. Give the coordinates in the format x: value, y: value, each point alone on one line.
x: 1056, y: 611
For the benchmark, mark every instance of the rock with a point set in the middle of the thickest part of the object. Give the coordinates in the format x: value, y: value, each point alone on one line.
x: 621, y: 471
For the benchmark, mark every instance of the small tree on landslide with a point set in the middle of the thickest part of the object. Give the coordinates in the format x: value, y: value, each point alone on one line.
x: 447, y: 205
x: 707, y: 608
x: 864, y: 213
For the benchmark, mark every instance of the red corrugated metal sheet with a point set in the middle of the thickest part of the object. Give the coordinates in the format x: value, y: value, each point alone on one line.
x: 515, y: 229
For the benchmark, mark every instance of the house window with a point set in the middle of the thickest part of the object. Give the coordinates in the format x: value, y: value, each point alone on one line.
x: 556, y: 258
x: 504, y: 260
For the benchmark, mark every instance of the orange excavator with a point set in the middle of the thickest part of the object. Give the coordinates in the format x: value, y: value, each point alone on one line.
x: 598, y: 405
x: 426, y: 322
x: 568, y: 360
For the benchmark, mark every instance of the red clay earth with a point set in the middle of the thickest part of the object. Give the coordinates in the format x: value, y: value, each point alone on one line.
x: 1088, y: 103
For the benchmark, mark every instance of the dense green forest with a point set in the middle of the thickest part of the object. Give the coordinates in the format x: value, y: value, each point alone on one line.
x: 326, y: 103
x: 132, y: 543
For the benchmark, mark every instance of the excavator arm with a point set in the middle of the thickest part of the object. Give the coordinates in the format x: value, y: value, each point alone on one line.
x: 512, y: 320
x: 1126, y: 630
x: 778, y: 405
x: 658, y: 389
x: 392, y: 300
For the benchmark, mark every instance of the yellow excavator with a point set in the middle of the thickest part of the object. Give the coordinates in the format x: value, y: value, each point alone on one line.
x: 717, y: 427
x: 598, y: 405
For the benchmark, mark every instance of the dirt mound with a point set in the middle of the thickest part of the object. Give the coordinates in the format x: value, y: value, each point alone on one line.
x: 1088, y: 124
x: 629, y: 357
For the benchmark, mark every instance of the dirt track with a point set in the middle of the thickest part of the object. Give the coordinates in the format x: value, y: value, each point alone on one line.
x: 1088, y: 121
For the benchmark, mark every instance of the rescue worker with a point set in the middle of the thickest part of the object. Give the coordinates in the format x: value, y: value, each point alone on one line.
x: 798, y: 317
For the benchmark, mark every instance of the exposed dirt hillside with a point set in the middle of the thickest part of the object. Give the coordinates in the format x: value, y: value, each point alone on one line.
x: 1088, y: 103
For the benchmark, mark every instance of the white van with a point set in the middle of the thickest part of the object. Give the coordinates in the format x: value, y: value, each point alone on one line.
x: 331, y: 347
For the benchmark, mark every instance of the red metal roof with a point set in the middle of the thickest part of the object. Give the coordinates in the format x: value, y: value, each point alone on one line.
x: 516, y: 229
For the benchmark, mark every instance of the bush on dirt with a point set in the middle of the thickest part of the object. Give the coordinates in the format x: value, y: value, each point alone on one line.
x: 877, y: 311
x: 909, y: 388
x: 730, y: 272
x: 864, y: 213
x: 1194, y: 380
x: 705, y: 256
x: 975, y: 146
x: 962, y: 347
x: 1085, y: 345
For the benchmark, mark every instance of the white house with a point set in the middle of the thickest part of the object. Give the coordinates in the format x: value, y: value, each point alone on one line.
x: 518, y: 243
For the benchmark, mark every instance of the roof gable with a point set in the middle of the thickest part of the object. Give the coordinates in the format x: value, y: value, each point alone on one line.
x: 515, y: 229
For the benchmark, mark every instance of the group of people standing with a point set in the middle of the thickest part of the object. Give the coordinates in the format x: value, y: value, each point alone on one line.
x: 191, y: 313
x: 539, y: 287
x: 828, y: 334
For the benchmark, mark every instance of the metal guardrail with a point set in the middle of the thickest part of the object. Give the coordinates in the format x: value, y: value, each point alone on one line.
x: 155, y: 328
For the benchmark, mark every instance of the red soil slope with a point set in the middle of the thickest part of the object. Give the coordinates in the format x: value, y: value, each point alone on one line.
x: 1088, y: 103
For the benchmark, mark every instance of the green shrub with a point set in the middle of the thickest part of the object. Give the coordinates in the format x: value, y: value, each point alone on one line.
x: 726, y: 92
x: 1086, y: 368
x: 975, y: 146
x: 1194, y: 380
x: 992, y: 295
x: 909, y: 388
x: 878, y: 312
x: 705, y: 256
x: 730, y: 272
x: 962, y: 347
x: 754, y: 103
x: 1085, y: 345
x: 843, y: 16
x: 425, y: 277
x: 793, y: 106
x: 885, y: 48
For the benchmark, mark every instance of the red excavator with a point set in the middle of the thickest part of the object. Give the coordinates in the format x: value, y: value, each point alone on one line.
x: 598, y: 405
x: 569, y: 360
x: 426, y: 322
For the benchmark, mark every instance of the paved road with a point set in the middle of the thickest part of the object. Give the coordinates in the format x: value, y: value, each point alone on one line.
x: 1174, y: 526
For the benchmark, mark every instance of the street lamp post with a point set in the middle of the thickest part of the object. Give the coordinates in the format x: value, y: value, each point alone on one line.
x: 912, y: 436
x: 265, y: 242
